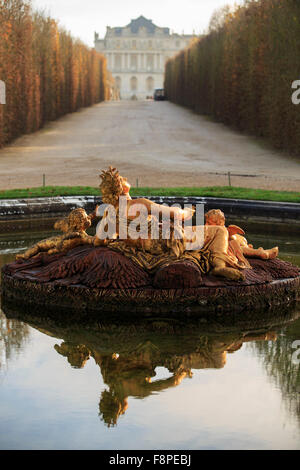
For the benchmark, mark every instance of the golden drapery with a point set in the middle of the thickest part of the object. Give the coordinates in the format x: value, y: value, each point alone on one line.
x: 151, y: 262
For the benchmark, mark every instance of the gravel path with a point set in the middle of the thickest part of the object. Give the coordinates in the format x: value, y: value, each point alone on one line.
x: 158, y: 143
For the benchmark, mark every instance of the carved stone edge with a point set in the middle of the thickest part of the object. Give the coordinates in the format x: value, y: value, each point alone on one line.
x: 188, y: 302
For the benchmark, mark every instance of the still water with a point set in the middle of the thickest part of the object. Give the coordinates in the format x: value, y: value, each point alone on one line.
x: 156, y: 387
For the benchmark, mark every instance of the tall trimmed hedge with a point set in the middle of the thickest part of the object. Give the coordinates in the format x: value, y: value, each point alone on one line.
x: 47, y: 73
x: 242, y: 72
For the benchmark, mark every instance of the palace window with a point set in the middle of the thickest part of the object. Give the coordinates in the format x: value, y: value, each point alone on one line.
x: 150, y: 61
x: 133, y: 61
x: 118, y: 82
x: 133, y: 83
x: 118, y: 61
x: 150, y: 84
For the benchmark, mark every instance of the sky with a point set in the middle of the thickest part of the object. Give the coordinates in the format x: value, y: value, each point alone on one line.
x: 83, y: 17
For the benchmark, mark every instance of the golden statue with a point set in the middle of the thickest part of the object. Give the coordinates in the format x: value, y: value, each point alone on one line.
x: 221, y: 250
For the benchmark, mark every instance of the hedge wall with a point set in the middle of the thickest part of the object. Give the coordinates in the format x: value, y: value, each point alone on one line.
x: 242, y: 72
x: 47, y: 73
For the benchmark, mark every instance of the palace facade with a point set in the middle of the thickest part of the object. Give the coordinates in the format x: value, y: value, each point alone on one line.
x: 136, y: 55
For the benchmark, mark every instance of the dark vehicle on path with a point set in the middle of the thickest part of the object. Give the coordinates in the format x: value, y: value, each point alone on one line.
x: 159, y: 94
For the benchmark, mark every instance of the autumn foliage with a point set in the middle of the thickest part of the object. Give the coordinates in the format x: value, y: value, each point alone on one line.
x: 47, y: 73
x: 241, y: 73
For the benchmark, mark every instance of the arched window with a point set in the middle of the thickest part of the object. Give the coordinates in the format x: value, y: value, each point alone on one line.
x: 133, y: 83
x: 150, y: 84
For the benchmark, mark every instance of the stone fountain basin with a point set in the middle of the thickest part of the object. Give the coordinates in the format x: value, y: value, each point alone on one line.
x: 98, y: 281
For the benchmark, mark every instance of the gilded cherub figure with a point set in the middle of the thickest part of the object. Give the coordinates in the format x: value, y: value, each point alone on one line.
x: 238, y: 245
x: 74, y: 234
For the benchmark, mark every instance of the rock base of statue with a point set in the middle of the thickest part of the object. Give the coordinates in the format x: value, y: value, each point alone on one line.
x: 98, y: 281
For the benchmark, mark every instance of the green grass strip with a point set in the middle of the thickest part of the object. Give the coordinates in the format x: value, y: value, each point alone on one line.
x: 213, y: 191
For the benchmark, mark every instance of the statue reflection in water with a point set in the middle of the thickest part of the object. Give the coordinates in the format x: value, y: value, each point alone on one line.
x: 131, y: 374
